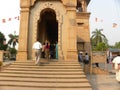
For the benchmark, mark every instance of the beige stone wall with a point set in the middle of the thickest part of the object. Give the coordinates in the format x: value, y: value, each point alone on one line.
x: 68, y: 29
x: 83, y: 32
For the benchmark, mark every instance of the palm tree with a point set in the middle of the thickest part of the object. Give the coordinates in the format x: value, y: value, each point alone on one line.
x: 13, y: 39
x: 98, y: 37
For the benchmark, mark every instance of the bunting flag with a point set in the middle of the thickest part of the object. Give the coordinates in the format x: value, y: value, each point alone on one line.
x: 4, y: 20
x: 114, y: 25
x: 18, y: 18
x: 9, y: 19
x: 96, y: 19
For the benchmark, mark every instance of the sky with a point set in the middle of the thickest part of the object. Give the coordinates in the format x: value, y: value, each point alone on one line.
x: 107, y: 12
x: 9, y: 10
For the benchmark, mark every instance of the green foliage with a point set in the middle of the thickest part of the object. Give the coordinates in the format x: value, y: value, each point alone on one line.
x: 2, y: 39
x: 98, y: 40
x: 12, y: 50
x: 117, y: 45
x: 13, y: 40
x: 98, y: 37
x: 101, y: 47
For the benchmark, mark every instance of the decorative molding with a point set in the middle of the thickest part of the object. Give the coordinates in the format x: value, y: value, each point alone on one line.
x: 24, y: 3
x: 32, y: 2
x: 82, y: 15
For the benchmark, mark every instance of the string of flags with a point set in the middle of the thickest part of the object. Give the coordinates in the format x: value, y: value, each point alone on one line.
x: 114, y: 25
x: 98, y: 20
x: 4, y: 20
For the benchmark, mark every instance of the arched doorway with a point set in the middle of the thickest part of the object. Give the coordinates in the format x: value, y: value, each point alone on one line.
x: 47, y: 26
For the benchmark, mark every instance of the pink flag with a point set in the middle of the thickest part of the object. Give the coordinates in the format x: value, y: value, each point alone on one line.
x: 3, y: 20
x: 114, y: 25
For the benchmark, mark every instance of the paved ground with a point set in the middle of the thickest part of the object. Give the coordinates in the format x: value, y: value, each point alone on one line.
x: 103, y: 82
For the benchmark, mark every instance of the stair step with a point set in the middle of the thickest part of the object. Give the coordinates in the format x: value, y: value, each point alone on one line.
x: 41, y: 76
x: 51, y: 80
x: 43, y: 72
x: 52, y: 62
x: 44, y: 85
x: 48, y: 64
x: 44, y: 69
x: 43, y: 66
x: 39, y: 88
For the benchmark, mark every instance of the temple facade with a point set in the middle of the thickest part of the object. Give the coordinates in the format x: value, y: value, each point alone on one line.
x: 64, y: 21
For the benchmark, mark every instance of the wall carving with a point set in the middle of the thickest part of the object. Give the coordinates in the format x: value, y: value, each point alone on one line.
x: 33, y: 1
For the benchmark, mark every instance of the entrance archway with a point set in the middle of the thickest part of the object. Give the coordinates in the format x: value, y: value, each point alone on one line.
x: 47, y: 26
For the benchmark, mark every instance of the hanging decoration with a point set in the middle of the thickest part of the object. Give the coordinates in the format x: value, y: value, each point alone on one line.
x: 5, y: 20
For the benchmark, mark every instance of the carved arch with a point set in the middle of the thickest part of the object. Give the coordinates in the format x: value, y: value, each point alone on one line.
x: 59, y: 18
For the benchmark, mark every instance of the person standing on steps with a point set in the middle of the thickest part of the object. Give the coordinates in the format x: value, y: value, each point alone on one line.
x: 43, y: 50
x: 86, y: 61
x: 56, y: 50
x: 47, y: 50
x: 37, y: 46
x: 116, y: 66
x: 80, y: 57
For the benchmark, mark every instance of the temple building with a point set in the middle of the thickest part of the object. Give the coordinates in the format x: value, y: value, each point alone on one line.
x: 64, y: 21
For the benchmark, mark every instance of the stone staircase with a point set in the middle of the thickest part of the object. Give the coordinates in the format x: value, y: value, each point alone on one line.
x: 48, y: 76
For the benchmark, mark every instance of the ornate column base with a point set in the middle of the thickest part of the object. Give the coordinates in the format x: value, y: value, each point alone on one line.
x: 72, y: 55
x: 21, y: 56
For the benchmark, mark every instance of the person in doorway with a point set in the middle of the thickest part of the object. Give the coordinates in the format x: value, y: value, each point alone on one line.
x: 37, y: 49
x: 52, y: 50
x: 86, y: 61
x: 116, y: 66
x: 80, y: 57
x: 56, y: 50
x: 43, y: 50
x: 47, y: 50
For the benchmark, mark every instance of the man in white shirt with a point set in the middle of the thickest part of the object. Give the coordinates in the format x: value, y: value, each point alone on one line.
x: 116, y: 66
x: 37, y: 46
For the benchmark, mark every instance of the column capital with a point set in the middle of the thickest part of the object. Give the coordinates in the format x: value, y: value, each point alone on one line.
x: 24, y: 3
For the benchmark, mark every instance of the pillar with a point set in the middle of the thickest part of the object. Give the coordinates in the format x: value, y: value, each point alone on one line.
x: 23, y: 34
x: 72, y: 35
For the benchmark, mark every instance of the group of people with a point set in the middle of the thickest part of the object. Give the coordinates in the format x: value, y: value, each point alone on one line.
x: 44, y: 50
x: 84, y: 59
